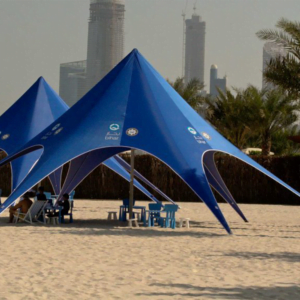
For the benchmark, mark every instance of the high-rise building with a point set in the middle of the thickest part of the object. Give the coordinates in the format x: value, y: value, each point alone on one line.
x: 72, y: 81
x: 215, y: 82
x: 271, y: 51
x: 194, y: 48
x: 105, y: 50
x: 105, y: 38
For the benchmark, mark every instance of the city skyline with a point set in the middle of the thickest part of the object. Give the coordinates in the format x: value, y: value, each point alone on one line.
x: 34, y: 42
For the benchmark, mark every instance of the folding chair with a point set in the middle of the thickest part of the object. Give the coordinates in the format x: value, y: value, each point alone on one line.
x: 34, y: 212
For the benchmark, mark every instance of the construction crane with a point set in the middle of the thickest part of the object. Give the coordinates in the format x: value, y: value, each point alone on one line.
x: 195, y: 7
x: 113, y: 33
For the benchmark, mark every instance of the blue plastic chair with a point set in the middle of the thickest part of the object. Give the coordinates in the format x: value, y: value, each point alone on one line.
x: 169, y: 220
x: 126, y: 209
x: 71, y: 196
x: 154, y: 215
x: 48, y: 195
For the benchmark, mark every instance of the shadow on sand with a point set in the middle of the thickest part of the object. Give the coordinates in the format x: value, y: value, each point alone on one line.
x: 285, y: 256
x: 100, y: 227
x: 238, y: 293
x: 106, y: 227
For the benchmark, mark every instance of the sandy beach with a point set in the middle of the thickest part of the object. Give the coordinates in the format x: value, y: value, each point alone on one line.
x: 98, y: 259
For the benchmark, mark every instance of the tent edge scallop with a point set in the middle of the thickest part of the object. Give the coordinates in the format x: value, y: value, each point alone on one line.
x: 259, y: 168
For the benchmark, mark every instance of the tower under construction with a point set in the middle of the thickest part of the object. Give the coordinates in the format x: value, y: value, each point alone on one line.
x: 104, y: 50
x: 194, y: 48
x: 105, y: 38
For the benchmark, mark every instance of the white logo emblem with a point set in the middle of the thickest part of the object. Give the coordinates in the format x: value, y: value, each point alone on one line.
x: 114, y: 127
x: 58, y: 130
x: 132, y: 131
x: 192, y: 130
x: 55, y: 127
x: 5, y: 136
x: 206, y: 135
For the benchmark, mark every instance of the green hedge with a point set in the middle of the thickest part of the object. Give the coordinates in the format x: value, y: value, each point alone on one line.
x: 246, y: 184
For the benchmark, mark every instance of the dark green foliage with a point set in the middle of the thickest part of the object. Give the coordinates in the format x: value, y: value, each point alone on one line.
x: 190, y: 91
x: 231, y: 115
x: 255, y: 118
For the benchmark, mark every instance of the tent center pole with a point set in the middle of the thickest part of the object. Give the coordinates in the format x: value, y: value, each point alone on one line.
x: 131, y: 183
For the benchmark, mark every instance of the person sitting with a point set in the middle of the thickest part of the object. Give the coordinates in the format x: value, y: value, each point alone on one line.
x: 40, y: 195
x: 23, y: 205
x: 64, y: 203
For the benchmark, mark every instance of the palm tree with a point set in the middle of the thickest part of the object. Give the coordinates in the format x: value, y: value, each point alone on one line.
x: 230, y: 113
x: 252, y: 116
x: 284, y: 71
x: 271, y: 112
x: 190, y: 91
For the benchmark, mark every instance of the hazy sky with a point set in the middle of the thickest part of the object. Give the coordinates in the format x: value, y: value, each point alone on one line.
x: 37, y: 35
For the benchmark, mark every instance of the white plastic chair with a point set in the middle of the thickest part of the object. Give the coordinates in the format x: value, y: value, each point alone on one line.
x: 34, y: 212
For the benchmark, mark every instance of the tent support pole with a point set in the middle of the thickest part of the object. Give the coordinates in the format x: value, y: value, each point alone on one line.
x: 131, y: 183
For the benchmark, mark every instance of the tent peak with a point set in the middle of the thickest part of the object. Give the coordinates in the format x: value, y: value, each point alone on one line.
x: 41, y: 78
x: 135, y: 51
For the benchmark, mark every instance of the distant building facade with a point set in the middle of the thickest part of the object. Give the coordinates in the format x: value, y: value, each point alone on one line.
x: 105, y: 50
x: 194, y: 48
x: 271, y: 51
x: 215, y: 82
x: 72, y: 81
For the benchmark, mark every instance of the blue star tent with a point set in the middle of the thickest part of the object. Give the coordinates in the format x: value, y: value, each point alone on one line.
x: 133, y: 107
x: 32, y: 113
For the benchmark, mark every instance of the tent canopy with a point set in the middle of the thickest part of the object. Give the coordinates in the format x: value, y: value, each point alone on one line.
x: 133, y: 107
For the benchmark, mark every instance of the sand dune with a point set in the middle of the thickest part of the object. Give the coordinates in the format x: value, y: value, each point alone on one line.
x: 96, y: 259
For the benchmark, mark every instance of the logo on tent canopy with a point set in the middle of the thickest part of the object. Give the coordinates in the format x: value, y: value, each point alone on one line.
x: 58, y: 130
x: 132, y: 132
x: 5, y: 136
x: 206, y: 135
x: 114, y: 127
x: 192, y: 130
x: 55, y: 127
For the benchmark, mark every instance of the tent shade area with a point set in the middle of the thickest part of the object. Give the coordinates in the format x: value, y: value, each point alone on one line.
x: 134, y: 107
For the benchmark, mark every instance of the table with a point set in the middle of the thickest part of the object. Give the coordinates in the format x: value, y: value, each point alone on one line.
x: 149, y: 216
x: 54, y: 208
x: 122, y: 212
